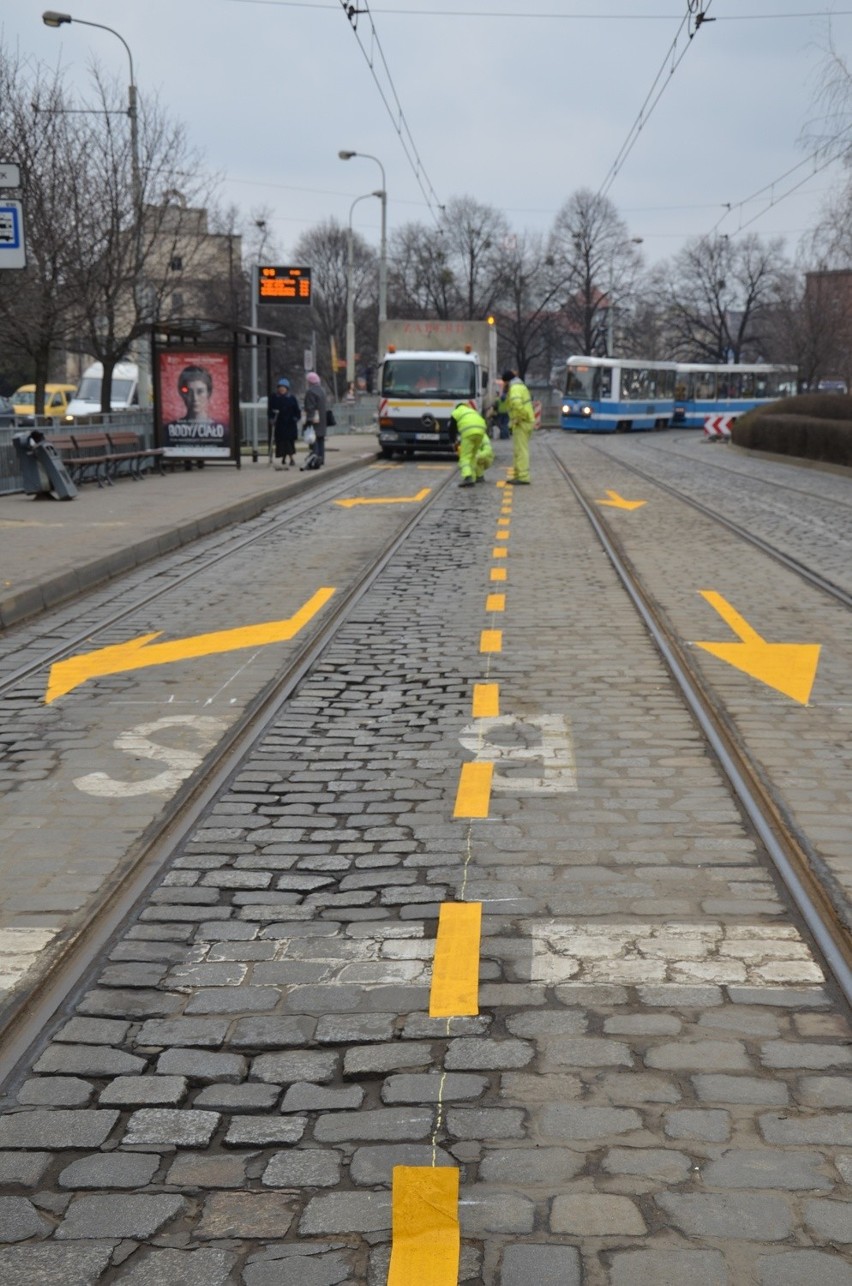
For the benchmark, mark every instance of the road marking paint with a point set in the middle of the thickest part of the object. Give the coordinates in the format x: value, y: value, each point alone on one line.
x: 503, y: 522
x: 498, y: 573
x: 455, y: 969
x: 206, y: 732
x: 486, y: 700
x: 790, y: 668
x: 616, y: 501
x: 508, y: 739
x: 426, y: 1241
x: 499, y: 553
x: 671, y: 953
x: 501, y: 535
x: 384, y: 500
x: 139, y: 653
x: 19, y: 948
x: 474, y: 790
x: 491, y: 641
x: 495, y: 603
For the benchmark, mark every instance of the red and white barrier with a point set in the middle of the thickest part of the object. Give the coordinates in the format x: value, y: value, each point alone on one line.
x: 717, y: 428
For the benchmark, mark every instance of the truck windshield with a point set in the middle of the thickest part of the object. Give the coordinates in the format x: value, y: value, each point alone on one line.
x: 422, y: 378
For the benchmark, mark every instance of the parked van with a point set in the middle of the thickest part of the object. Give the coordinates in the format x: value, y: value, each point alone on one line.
x: 56, y: 399
x: 87, y: 399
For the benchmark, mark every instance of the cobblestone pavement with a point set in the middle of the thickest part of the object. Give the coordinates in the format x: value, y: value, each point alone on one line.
x: 655, y: 1088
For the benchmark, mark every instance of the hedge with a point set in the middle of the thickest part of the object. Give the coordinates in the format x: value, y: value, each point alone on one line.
x: 815, y: 426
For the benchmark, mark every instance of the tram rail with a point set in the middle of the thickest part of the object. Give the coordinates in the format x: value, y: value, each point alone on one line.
x: 784, y: 847
x: 40, y: 1005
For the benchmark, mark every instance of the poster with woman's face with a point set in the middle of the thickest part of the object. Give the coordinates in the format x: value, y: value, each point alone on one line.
x: 194, y: 397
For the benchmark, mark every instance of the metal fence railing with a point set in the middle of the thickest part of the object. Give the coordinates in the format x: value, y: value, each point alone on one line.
x: 359, y: 417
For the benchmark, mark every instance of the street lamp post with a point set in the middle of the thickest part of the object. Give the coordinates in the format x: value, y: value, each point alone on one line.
x: 383, y: 251
x: 51, y: 18
x: 350, y: 301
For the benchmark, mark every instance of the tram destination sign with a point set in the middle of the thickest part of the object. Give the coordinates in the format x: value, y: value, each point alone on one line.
x: 283, y: 285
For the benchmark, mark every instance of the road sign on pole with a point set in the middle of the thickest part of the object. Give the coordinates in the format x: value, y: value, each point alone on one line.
x: 12, y: 252
x: 10, y: 175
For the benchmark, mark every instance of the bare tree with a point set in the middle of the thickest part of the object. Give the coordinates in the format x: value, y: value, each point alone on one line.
x: 129, y: 256
x: 531, y: 287
x: 35, y: 302
x: 475, y: 237
x: 599, y: 263
x: 421, y: 282
x: 325, y: 248
x: 719, y: 291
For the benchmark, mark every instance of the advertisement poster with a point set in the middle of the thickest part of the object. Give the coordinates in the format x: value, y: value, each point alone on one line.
x: 194, y: 400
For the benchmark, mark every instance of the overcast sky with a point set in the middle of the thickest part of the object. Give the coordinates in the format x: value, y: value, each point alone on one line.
x: 515, y: 109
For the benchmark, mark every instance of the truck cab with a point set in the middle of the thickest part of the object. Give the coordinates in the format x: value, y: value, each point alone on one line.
x: 418, y: 391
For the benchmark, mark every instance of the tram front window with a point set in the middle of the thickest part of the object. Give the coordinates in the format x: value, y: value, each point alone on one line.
x: 585, y: 383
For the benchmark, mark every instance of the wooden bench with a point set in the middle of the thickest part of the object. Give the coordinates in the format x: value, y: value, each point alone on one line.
x: 84, y: 456
x: 128, y: 448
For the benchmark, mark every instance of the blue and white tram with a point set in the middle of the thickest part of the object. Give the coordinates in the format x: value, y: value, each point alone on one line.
x: 702, y: 389
x: 617, y: 394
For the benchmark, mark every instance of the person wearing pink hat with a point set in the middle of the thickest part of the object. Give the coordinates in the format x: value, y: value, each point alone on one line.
x: 316, y: 413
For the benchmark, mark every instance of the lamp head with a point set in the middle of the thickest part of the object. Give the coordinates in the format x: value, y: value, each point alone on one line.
x: 51, y: 18
x: 346, y: 156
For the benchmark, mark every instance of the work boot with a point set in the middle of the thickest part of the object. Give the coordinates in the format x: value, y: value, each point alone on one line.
x: 466, y: 482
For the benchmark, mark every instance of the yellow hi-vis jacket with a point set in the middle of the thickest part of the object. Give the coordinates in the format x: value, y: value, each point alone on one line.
x: 466, y: 417
x: 520, y: 405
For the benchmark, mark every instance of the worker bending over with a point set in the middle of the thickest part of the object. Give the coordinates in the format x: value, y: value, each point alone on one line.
x: 475, y: 450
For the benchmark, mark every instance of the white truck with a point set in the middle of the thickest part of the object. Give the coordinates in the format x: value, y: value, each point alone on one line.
x: 426, y: 368
x: 87, y: 399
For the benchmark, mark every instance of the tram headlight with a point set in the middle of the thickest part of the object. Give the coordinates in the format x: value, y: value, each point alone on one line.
x: 586, y: 411
x: 567, y: 408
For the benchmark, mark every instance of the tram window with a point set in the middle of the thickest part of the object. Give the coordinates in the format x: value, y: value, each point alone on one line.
x: 580, y: 382
x: 746, y: 384
x: 705, y: 386
x: 604, y: 382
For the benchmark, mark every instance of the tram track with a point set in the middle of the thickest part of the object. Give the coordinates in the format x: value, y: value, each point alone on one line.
x: 295, y: 508
x: 783, y: 846
x: 35, y: 1010
x: 807, y: 574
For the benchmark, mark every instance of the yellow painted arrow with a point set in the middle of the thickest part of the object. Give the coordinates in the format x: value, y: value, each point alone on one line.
x: 385, y: 500
x: 138, y: 655
x: 790, y: 668
x: 618, y: 502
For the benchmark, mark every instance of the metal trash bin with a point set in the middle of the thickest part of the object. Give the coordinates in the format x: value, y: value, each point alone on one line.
x: 41, y: 466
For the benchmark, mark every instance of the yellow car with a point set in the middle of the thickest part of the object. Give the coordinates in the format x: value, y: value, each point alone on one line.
x: 56, y: 399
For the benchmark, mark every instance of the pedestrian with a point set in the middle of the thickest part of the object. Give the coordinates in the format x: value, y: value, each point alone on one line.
x: 521, y: 424
x: 284, y: 413
x: 475, y: 450
x: 316, y: 415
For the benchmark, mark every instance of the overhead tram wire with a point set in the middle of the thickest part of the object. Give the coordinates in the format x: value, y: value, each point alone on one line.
x: 838, y: 149
x: 694, y: 15
x: 362, y: 9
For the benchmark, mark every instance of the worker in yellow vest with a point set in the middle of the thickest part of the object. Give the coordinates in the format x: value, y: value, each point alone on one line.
x: 475, y: 450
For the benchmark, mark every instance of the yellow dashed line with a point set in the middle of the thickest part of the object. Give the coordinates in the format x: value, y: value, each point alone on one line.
x: 491, y: 641
x: 498, y: 573
x: 426, y: 1242
x: 499, y: 553
x: 474, y: 790
x: 495, y: 603
x: 455, y: 969
x: 486, y: 700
